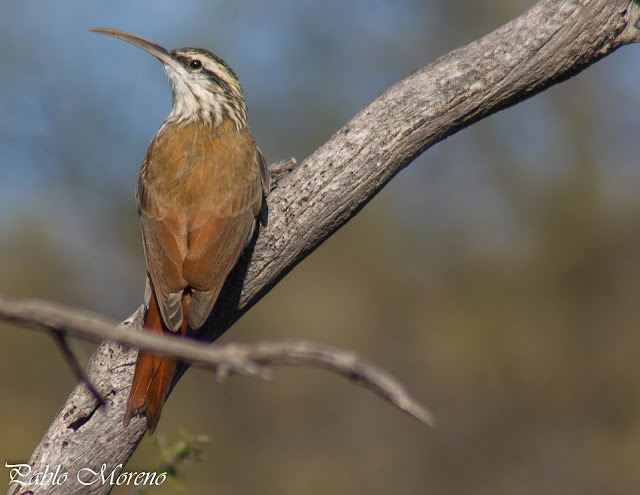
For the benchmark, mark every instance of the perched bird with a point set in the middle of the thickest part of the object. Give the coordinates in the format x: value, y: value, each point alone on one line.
x: 200, y: 189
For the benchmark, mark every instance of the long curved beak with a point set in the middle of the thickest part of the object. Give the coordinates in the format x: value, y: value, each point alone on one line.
x: 148, y: 46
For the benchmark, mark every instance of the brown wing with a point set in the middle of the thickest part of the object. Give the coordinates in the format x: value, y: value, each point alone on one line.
x: 164, y: 240
x: 214, y: 250
x: 265, y: 178
x: 198, y: 196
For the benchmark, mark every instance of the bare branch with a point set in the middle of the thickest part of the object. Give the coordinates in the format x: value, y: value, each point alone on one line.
x: 345, y: 363
x: 225, y: 359
x: 551, y: 42
x: 73, y: 362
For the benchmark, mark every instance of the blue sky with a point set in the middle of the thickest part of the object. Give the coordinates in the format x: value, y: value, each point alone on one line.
x: 79, y: 109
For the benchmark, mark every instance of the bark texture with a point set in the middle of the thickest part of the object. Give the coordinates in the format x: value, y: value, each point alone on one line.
x: 548, y: 44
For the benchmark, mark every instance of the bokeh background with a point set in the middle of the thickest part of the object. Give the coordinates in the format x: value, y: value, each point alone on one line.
x: 498, y: 276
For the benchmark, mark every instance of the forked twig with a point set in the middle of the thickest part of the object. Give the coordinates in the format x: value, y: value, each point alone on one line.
x: 225, y: 359
x: 75, y: 365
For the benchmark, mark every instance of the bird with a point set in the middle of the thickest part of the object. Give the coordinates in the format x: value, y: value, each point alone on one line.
x: 201, y: 186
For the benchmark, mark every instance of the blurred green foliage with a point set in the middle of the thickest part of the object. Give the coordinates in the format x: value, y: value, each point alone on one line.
x: 497, y: 276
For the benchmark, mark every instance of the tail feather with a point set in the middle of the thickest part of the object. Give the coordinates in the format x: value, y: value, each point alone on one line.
x: 153, y: 374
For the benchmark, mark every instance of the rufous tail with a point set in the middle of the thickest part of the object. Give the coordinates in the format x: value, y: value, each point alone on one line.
x: 153, y: 375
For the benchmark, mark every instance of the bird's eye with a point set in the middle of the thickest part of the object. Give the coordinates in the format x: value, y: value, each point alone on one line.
x: 195, y: 64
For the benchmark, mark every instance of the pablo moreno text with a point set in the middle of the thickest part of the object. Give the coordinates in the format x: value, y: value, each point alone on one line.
x: 54, y: 476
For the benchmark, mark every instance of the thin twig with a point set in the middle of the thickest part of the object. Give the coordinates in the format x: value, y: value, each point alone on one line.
x: 75, y: 365
x: 225, y: 359
x: 345, y: 363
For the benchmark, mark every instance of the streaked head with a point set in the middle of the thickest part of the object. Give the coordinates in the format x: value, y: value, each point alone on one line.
x: 204, y: 87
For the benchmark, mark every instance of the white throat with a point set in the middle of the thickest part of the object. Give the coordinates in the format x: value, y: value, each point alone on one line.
x: 195, y: 98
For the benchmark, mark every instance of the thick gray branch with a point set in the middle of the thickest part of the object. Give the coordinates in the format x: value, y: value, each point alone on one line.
x: 553, y: 41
